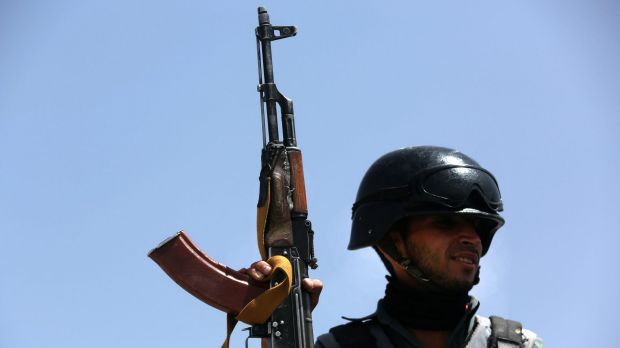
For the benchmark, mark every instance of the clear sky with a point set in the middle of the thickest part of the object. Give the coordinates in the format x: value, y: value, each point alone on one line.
x: 122, y: 122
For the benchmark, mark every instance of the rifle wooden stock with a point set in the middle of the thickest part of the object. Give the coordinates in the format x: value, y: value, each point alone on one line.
x: 208, y: 280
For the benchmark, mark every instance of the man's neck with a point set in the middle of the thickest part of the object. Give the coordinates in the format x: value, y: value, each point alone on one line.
x: 424, y: 309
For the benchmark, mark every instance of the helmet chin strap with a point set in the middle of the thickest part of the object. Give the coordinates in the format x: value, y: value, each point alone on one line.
x: 409, y: 265
x: 405, y: 263
x: 417, y: 273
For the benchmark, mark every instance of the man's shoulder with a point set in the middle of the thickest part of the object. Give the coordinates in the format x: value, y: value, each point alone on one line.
x: 357, y: 333
x: 504, y: 329
x: 326, y: 340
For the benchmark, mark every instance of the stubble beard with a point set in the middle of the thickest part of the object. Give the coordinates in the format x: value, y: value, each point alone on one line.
x: 428, y: 263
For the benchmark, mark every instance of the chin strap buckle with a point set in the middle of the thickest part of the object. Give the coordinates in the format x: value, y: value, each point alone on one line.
x: 413, y: 270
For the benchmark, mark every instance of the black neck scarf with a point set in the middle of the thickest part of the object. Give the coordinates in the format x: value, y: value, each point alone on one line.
x: 424, y: 309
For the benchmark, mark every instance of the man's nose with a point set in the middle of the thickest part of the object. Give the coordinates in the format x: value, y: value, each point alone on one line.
x: 469, y: 236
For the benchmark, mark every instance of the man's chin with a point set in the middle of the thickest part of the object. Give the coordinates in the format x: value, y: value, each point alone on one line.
x: 457, y: 286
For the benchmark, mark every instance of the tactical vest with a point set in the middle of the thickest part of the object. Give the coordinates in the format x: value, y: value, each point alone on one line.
x: 494, y: 332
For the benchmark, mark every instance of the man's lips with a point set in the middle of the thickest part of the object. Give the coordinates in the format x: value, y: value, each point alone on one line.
x: 466, y: 257
x: 467, y: 254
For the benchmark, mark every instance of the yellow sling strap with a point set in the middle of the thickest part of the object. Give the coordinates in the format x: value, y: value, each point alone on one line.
x: 261, y: 221
x: 259, y: 309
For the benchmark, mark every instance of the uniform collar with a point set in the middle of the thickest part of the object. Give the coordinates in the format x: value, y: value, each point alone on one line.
x: 398, y: 333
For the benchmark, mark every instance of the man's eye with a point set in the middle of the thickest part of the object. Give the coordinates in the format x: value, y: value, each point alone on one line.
x: 444, y: 223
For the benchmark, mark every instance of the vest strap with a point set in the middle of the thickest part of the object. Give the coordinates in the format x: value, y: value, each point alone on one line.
x: 505, y: 333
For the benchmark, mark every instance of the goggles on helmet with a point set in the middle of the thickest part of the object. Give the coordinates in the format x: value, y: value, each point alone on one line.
x: 448, y: 185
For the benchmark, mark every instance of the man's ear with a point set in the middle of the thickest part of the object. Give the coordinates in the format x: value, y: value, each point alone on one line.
x: 394, y: 246
x: 398, y: 240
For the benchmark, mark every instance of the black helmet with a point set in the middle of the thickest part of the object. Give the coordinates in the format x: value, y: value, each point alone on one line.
x: 424, y: 180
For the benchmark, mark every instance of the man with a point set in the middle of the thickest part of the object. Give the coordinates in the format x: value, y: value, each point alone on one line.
x: 431, y: 214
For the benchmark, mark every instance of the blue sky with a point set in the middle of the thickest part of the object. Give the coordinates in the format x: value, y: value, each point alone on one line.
x: 122, y: 122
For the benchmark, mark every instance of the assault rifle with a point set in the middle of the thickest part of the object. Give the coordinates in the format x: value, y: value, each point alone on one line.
x: 281, y: 312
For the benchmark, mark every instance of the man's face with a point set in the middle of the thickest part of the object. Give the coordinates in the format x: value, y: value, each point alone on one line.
x: 446, y: 248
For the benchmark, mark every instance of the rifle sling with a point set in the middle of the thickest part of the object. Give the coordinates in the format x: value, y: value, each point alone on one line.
x: 259, y: 309
x: 262, y: 212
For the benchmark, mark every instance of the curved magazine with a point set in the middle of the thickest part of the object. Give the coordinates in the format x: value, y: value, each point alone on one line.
x: 208, y: 280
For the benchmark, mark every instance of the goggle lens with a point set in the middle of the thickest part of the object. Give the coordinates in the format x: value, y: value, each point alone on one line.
x: 453, y: 186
